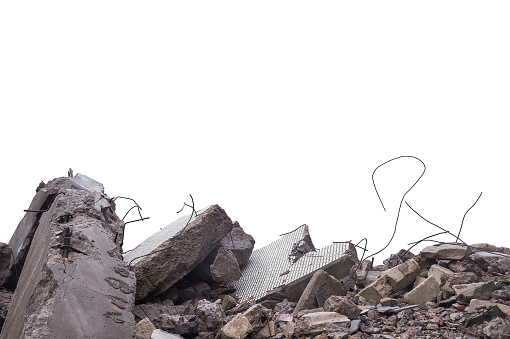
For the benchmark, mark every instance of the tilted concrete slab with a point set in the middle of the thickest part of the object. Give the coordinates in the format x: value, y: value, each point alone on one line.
x: 89, y: 293
x: 273, y: 265
x: 160, y: 262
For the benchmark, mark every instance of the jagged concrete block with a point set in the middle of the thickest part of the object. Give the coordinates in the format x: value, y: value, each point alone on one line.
x: 439, y: 273
x: 240, y: 243
x: 402, y: 275
x: 92, y: 282
x: 342, y: 305
x: 321, y: 283
x: 173, y: 258
x: 474, y: 303
x: 5, y: 304
x: 481, y: 290
x: 376, y: 290
x: 144, y: 329
x: 237, y: 328
x: 426, y: 291
x: 446, y: 252
x: 225, y: 266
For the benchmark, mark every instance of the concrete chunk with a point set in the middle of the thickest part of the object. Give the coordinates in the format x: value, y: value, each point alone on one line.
x: 237, y: 328
x: 376, y: 290
x: 239, y: 243
x: 446, y: 252
x: 178, y: 255
x: 90, y: 280
x: 5, y: 262
x: 321, y: 283
x: 312, y: 324
x: 426, y: 291
x: 439, y: 273
x: 403, y: 275
x: 481, y: 290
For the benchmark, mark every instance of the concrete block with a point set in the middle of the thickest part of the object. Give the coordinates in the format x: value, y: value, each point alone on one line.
x: 426, y: 291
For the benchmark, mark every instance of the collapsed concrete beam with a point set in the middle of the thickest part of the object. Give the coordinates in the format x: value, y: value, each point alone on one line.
x: 55, y: 289
x: 160, y: 262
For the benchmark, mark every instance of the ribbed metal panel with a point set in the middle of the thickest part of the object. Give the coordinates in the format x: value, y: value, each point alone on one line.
x: 269, y: 266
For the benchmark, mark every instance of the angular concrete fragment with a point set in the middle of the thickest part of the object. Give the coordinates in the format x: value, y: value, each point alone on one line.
x: 446, y: 252
x: 210, y: 316
x: 440, y: 273
x: 239, y: 243
x: 402, y: 275
x: 377, y: 290
x: 225, y: 266
x: 5, y: 304
x: 144, y: 329
x: 474, y: 303
x: 175, y: 257
x: 426, y: 291
x: 321, y: 283
x: 258, y: 316
x: 237, y: 328
x: 85, y: 277
x: 343, y: 306
x: 312, y: 324
x: 481, y: 290
x: 5, y: 262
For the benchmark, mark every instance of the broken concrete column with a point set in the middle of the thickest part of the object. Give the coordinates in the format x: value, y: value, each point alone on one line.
x: 321, y: 283
x: 165, y: 263
x: 426, y: 291
x: 73, y: 267
x: 239, y: 243
x: 446, y: 252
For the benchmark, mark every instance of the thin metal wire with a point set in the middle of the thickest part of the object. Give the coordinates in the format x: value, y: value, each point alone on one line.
x: 462, y: 223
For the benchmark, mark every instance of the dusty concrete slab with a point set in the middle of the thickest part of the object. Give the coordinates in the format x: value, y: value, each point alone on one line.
x: 92, y: 280
x: 446, y: 252
x: 170, y: 259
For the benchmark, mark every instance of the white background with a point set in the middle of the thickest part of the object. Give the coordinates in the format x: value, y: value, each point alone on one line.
x: 277, y: 111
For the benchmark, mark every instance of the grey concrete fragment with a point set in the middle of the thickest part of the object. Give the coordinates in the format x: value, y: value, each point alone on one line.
x: 312, y: 324
x: 321, y: 283
x: 5, y: 304
x: 376, y: 290
x: 426, y: 291
x: 481, y: 290
x: 144, y: 329
x: 225, y: 266
x: 258, y: 316
x: 343, y: 306
x: 210, y: 316
x: 239, y: 243
x: 5, y: 262
x: 446, y: 252
x: 237, y: 328
x: 402, y: 275
x: 92, y: 281
x: 497, y: 328
x: 440, y: 273
x: 177, y: 256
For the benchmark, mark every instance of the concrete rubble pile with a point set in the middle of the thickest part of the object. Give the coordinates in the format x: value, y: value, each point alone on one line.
x: 201, y: 278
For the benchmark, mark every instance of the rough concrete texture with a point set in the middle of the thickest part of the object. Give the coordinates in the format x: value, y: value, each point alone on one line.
x: 439, y: 273
x: 159, y: 271
x: 237, y: 328
x: 312, y: 324
x: 321, y: 283
x: 225, y: 266
x: 258, y: 316
x: 402, y: 275
x: 376, y: 290
x: 343, y: 306
x: 239, y: 243
x: 481, y: 290
x: 210, y: 316
x: 144, y: 329
x: 475, y: 303
x: 5, y: 304
x: 446, y: 252
x: 92, y: 280
x: 5, y: 262
x: 497, y: 328
x: 426, y: 291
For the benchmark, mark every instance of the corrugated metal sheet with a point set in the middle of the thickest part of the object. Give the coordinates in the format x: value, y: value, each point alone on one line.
x: 269, y: 266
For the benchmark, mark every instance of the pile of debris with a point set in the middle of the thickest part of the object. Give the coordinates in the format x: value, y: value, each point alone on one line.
x: 64, y: 275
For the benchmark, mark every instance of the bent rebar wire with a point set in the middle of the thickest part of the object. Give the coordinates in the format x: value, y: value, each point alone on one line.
x: 400, y: 205
x: 465, y: 216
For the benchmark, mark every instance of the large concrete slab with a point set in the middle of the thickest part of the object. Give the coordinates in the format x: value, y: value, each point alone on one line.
x: 90, y: 293
x: 160, y: 263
